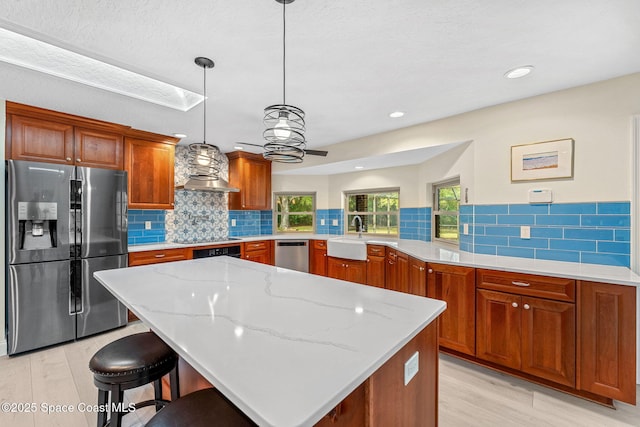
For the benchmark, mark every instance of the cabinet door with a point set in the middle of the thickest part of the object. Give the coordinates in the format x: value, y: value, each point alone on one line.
x: 98, y: 149
x: 391, y: 270
x: 251, y: 173
x: 607, y: 339
x: 548, y: 340
x: 456, y: 286
x: 41, y: 140
x: 417, y: 277
x: 402, y: 273
x: 335, y: 268
x: 150, y: 169
x: 318, y: 257
x: 498, y: 328
x: 261, y: 256
x: 355, y: 271
x: 376, y: 271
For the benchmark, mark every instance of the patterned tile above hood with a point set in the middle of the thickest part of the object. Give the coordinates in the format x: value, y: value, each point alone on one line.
x: 197, y: 215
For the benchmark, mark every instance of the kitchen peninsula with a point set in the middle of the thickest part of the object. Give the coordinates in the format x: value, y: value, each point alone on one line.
x: 288, y: 347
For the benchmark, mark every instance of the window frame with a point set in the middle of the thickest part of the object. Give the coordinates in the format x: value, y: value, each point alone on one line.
x: 436, y: 213
x: 294, y: 194
x: 347, y: 212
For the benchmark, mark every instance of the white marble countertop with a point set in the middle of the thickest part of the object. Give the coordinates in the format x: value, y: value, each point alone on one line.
x: 445, y: 254
x: 285, y: 347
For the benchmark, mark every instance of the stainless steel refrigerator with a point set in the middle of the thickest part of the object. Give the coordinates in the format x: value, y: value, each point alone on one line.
x: 63, y: 223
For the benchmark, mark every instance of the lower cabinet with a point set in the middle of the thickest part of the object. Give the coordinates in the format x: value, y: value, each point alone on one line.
x: 417, y: 277
x: 457, y: 287
x: 347, y: 269
x: 376, y: 266
x: 534, y: 335
x: 318, y: 257
x: 397, y: 271
x: 607, y: 340
x: 259, y: 251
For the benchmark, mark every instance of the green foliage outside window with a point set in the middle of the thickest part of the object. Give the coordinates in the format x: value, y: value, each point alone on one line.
x: 294, y: 213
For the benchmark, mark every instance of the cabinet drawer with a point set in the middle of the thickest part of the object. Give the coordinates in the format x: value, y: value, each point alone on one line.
x: 256, y: 246
x: 375, y: 250
x: 155, y: 257
x: 527, y: 284
x: 320, y: 244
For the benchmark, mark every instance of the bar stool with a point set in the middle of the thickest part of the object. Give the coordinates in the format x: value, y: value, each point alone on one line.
x: 203, y: 408
x: 130, y: 362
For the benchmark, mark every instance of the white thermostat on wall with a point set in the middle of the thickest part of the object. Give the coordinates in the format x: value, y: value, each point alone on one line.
x: 540, y: 195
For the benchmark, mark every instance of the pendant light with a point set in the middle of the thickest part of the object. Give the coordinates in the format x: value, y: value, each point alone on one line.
x: 284, y: 133
x: 204, y: 158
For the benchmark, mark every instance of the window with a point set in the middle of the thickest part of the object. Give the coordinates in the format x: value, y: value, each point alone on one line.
x: 378, y: 211
x: 446, y: 205
x: 294, y: 212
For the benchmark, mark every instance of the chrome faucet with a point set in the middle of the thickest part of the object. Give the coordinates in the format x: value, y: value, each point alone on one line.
x: 358, y: 229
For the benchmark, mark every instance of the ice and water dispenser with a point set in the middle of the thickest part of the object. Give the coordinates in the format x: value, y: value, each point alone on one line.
x: 38, y: 225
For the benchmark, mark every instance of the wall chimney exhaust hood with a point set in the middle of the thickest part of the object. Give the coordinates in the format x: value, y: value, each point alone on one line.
x: 219, y: 185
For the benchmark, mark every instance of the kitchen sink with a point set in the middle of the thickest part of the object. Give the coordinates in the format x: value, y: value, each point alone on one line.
x: 349, y: 248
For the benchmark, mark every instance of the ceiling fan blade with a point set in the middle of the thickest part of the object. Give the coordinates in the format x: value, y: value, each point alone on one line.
x: 316, y: 152
x: 309, y: 152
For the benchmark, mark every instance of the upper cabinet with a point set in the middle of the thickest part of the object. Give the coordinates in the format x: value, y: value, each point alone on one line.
x: 149, y: 162
x: 251, y: 173
x: 40, y: 135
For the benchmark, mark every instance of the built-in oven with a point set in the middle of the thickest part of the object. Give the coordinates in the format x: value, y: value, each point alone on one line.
x: 232, y: 251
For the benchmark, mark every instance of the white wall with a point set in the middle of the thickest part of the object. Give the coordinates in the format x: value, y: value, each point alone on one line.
x: 597, y: 116
x: 3, y: 338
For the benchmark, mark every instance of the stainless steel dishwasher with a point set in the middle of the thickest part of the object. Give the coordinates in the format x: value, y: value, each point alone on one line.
x: 293, y: 254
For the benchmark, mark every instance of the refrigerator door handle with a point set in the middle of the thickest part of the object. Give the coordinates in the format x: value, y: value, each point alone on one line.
x: 75, y: 288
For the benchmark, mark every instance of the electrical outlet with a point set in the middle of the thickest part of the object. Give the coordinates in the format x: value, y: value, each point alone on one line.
x: 334, y: 222
x: 233, y: 222
x: 322, y: 221
x: 465, y: 228
x: 525, y: 232
x: 147, y: 225
x: 411, y: 367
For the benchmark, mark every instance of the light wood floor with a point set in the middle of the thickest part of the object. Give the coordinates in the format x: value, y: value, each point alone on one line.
x: 469, y: 395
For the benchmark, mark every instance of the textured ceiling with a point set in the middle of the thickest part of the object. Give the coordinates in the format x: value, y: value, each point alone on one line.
x: 349, y: 64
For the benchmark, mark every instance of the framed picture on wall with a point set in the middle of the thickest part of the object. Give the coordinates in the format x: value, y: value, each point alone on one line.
x: 542, y: 160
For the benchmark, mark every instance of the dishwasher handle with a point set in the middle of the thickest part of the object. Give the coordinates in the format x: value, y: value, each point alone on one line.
x: 292, y: 243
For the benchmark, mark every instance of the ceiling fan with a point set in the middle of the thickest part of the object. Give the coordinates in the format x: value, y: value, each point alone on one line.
x: 306, y: 151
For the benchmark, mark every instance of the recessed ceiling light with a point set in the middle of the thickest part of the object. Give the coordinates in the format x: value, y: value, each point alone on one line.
x: 359, y: 167
x: 237, y: 147
x: 518, y: 72
x: 396, y: 114
x: 30, y: 53
x: 179, y: 135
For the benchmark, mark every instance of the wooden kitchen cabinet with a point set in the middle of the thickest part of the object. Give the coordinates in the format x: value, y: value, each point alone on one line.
x: 259, y: 251
x: 318, y: 257
x: 397, y: 270
x: 417, y: 277
x: 606, y: 340
x: 457, y: 287
x: 376, y: 263
x: 251, y: 173
x: 347, y: 269
x: 149, y: 162
x: 534, y: 335
x: 36, y: 134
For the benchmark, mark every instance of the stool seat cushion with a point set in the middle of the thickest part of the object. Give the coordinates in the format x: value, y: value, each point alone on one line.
x: 131, y: 358
x: 203, y: 408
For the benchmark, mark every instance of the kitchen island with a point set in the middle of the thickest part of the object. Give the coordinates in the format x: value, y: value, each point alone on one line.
x: 288, y: 347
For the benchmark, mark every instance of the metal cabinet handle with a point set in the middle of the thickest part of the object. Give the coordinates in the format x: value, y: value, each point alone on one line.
x: 368, y: 260
x: 430, y: 270
x: 421, y: 268
x: 526, y: 306
x: 78, y: 160
x: 161, y: 255
x: 523, y: 284
x: 324, y: 254
x: 346, y: 265
x: 514, y: 304
x: 391, y: 262
x: 68, y: 159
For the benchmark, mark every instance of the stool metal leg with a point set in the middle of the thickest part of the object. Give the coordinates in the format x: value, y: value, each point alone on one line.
x: 175, y: 383
x: 117, y: 397
x: 103, y: 400
x: 157, y: 391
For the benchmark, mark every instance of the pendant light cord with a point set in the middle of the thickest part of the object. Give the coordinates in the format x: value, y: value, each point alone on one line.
x: 284, y: 53
x: 204, y: 69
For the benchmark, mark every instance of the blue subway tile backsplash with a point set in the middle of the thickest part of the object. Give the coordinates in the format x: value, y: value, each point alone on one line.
x: 594, y: 232
x: 137, y: 234
x: 415, y: 223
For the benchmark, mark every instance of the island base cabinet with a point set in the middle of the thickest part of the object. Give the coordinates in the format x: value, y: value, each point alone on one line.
x: 606, y: 340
